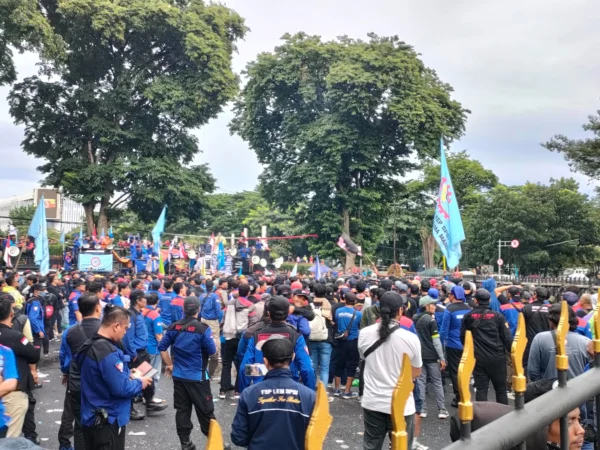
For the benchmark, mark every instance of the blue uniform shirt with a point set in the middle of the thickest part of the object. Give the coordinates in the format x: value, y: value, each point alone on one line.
x: 136, y: 337
x: 8, y: 371
x: 276, y: 410
x: 343, y: 316
x: 177, y: 309
x: 117, y: 301
x: 154, y: 327
x: 164, y: 304
x: 35, y: 312
x: 105, y: 382
x: 209, y: 306
x: 73, y: 306
x: 301, y: 363
x: 451, y: 323
x: 191, y: 344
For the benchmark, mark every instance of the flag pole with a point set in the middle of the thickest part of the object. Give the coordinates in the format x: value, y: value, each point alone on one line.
x: 18, y: 259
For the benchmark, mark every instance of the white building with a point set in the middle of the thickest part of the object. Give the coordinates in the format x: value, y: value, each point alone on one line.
x: 62, y: 213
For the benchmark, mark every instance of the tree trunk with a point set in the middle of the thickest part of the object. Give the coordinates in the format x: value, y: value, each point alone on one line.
x: 349, y: 265
x: 428, y: 247
x: 89, y: 217
x: 102, y: 216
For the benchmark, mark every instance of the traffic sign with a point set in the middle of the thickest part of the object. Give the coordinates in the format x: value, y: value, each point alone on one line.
x: 514, y: 243
x: 500, y: 262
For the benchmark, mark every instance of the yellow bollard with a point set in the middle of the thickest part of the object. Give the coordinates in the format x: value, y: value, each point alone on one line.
x: 562, y: 360
x: 402, y: 391
x: 320, y: 421
x: 519, y: 381
x: 465, y: 370
x: 215, y: 436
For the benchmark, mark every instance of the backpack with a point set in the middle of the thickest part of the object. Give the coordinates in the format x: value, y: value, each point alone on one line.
x: 49, y: 307
x: 318, y: 327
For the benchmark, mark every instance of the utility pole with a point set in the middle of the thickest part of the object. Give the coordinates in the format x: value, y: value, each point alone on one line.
x: 394, y: 258
x: 514, y: 244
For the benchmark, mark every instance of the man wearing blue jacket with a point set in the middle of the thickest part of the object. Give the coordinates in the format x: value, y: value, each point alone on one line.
x: 35, y: 313
x: 164, y: 302
x: 278, y: 309
x: 210, y: 309
x: 191, y: 345
x: 450, y: 334
x: 106, y: 385
x: 277, y: 409
x: 135, y: 343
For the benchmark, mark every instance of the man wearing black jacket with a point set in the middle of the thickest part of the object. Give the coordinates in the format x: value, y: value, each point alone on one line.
x: 17, y: 402
x: 492, y: 341
x: 73, y: 339
x: 536, y: 319
x: 54, y: 290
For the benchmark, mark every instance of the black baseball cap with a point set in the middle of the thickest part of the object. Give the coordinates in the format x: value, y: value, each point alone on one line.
x: 482, y: 295
x: 39, y: 287
x: 191, y: 304
x: 350, y: 297
x: 278, y: 307
x: 391, y: 300
x: 414, y: 289
x: 276, y: 348
x: 386, y: 284
x: 302, y: 293
x: 156, y: 284
x: 284, y: 289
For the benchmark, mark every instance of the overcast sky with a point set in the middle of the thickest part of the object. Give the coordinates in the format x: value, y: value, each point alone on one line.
x: 526, y: 69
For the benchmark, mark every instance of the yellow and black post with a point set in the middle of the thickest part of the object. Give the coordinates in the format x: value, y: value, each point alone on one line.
x: 404, y: 387
x: 562, y: 365
x: 465, y: 370
x: 519, y: 381
x: 320, y: 421
x: 215, y: 436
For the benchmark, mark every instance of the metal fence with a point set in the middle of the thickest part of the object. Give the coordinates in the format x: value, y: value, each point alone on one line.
x: 513, y: 429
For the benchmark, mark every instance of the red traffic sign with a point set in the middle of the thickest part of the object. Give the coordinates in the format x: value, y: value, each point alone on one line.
x: 500, y: 262
x: 514, y: 243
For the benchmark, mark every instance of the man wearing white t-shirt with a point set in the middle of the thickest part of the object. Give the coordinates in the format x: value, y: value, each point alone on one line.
x: 383, y: 346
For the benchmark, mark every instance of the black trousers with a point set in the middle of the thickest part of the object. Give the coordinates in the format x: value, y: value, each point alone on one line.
x: 144, y: 356
x: 65, y: 431
x: 46, y: 338
x: 29, y: 422
x: 70, y: 426
x: 107, y: 437
x: 453, y: 359
x: 188, y: 394
x: 494, y: 371
x: 229, y: 358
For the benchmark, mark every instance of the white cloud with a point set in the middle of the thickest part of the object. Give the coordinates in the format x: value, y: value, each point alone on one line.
x: 527, y: 70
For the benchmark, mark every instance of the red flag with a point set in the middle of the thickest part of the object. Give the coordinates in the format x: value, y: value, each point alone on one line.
x: 182, y: 251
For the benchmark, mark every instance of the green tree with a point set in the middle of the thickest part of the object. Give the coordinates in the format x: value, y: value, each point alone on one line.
x: 334, y: 124
x: 114, y: 120
x: 542, y: 218
x: 583, y: 155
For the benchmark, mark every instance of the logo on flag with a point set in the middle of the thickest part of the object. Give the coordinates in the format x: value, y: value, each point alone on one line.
x: 24, y: 341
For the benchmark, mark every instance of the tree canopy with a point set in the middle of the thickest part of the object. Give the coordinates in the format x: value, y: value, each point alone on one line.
x: 542, y: 218
x: 135, y: 77
x: 334, y: 123
x: 583, y: 155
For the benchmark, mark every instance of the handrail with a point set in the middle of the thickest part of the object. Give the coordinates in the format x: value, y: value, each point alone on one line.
x: 515, y: 427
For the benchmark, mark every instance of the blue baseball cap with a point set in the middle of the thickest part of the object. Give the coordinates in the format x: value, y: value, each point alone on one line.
x: 458, y: 292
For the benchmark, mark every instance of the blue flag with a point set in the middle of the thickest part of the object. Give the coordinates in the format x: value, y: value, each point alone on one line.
x: 80, y: 234
x: 240, y: 273
x: 158, y: 229
x: 221, y: 257
x: 39, y: 230
x: 318, y: 271
x: 448, y: 229
x: 110, y: 233
x: 294, y: 271
x: 62, y: 237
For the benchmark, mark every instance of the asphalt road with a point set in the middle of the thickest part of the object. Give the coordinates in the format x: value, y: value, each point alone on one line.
x: 159, y: 432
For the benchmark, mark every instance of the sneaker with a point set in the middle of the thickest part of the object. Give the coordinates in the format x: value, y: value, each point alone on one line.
x: 154, y: 407
x: 330, y: 399
x: 454, y: 403
x: 417, y: 446
x: 337, y: 393
x: 158, y: 401
x: 423, y: 414
x: 222, y: 395
x: 348, y: 395
x: 443, y: 414
x: 236, y: 395
x: 510, y: 395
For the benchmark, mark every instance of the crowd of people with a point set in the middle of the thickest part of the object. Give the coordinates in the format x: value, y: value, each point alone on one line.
x: 268, y: 341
